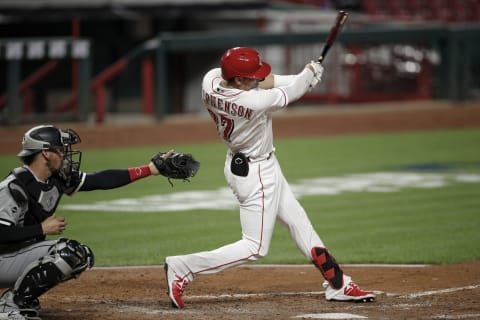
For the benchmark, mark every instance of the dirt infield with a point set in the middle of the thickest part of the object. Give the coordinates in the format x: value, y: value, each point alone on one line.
x: 250, y: 292
x: 270, y: 292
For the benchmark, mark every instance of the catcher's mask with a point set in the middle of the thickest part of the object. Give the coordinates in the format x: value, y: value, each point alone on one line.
x: 48, y: 137
x: 243, y: 62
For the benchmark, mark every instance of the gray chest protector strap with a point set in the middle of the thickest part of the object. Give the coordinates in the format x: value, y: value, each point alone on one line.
x: 66, y: 260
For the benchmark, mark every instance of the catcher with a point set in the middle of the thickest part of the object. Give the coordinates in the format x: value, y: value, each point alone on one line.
x: 30, y: 265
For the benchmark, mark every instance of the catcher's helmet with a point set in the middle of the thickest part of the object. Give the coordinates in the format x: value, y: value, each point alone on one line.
x: 45, y: 137
x: 243, y: 62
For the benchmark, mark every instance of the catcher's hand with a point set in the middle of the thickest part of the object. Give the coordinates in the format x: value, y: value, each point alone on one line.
x: 176, y: 166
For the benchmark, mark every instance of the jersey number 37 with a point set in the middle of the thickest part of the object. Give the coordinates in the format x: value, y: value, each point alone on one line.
x: 225, y: 125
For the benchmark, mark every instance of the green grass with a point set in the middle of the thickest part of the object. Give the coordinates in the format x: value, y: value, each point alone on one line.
x: 438, y: 225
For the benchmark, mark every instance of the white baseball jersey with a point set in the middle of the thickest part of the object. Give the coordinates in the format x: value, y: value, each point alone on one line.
x: 244, y: 123
x: 243, y: 118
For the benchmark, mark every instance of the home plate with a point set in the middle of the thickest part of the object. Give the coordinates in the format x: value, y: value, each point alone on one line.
x: 330, y: 316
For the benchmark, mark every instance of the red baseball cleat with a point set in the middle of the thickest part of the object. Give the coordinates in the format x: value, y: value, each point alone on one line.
x: 349, y: 292
x: 175, y: 287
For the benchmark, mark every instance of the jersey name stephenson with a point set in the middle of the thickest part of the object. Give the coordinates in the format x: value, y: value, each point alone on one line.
x: 243, y: 118
x: 226, y: 106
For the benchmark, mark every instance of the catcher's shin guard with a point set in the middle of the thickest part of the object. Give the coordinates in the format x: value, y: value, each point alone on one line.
x: 37, y: 279
x: 327, y: 265
x: 67, y: 259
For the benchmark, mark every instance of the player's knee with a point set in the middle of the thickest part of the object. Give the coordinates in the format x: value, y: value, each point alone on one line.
x: 257, y: 250
x: 72, y: 257
x: 262, y: 252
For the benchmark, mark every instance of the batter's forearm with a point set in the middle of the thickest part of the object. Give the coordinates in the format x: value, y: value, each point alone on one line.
x: 282, y: 80
x: 299, y: 85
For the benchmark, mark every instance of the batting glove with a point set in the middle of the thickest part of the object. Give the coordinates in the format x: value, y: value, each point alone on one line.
x: 317, y: 77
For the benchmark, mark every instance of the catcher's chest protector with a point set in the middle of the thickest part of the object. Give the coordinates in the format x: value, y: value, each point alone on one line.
x: 43, y: 198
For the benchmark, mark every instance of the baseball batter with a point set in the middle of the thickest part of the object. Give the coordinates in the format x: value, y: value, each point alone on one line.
x: 30, y: 265
x: 241, y: 97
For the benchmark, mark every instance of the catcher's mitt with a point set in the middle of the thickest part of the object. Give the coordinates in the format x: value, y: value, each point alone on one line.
x: 177, y: 166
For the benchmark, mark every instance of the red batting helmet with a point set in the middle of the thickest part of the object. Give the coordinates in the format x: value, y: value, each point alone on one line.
x: 243, y: 62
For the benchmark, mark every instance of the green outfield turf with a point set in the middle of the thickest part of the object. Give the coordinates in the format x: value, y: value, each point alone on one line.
x: 429, y: 224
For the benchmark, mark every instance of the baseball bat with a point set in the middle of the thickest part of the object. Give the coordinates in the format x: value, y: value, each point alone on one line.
x: 336, y: 27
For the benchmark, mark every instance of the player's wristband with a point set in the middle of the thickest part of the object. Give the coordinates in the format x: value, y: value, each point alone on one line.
x: 139, y: 172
